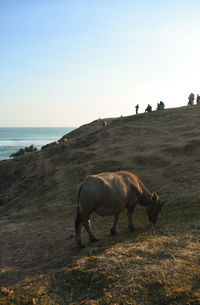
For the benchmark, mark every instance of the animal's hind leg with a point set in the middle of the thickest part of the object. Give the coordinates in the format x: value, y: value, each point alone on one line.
x: 113, y: 228
x: 78, y: 226
x: 87, y: 227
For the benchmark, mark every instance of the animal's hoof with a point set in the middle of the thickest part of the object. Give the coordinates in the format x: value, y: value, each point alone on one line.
x: 132, y: 229
x: 93, y: 240
x: 81, y: 246
x: 113, y: 232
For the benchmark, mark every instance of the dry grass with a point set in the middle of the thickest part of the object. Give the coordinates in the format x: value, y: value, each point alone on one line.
x: 39, y: 262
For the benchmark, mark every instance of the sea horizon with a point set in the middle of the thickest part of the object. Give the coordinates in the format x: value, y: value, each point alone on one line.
x: 38, y: 127
x: 14, y: 138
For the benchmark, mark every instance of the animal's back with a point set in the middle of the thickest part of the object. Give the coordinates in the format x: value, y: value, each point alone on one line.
x: 107, y: 193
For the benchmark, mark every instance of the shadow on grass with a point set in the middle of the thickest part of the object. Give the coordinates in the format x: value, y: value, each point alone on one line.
x: 78, y: 284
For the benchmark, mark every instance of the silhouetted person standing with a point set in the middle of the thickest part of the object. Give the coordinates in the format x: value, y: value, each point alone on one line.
x: 136, y: 108
x: 198, y: 99
x: 191, y: 99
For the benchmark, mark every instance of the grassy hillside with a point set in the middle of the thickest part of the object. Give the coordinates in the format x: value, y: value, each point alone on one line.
x: 39, y: 261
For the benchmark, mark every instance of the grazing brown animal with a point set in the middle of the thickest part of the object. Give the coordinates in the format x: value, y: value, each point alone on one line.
x: 109, y: 194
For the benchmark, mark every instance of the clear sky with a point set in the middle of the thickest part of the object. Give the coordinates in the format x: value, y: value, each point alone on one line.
x: 69, y: 62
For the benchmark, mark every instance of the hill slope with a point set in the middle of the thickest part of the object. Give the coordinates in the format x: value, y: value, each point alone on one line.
x: 39, y: 261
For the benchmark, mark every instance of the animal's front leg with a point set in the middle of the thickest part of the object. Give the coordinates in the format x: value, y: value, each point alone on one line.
x: 130, y: 219
x: 113, y: 228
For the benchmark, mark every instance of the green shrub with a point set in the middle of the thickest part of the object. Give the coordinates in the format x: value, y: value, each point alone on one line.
x: 22, y: 151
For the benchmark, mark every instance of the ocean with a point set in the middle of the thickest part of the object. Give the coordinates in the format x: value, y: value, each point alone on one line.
x: 14, y: 138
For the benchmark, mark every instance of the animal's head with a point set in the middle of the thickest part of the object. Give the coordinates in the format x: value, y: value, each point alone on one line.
x: 154, y: 208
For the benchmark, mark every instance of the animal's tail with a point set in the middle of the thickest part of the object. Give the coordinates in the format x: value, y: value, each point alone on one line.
x: 78, y: 218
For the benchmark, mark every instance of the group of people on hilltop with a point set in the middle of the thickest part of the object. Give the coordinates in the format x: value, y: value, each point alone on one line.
x: 161, y: 105
x: 191, y: 98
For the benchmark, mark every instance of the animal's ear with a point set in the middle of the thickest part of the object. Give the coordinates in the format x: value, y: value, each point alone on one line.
x: 154, y: 196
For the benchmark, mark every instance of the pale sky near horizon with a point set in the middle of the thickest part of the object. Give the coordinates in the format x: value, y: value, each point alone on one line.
x: 69, y: 62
